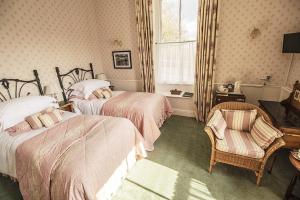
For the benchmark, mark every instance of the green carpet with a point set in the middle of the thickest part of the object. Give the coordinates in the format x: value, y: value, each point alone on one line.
x: 177, y: 169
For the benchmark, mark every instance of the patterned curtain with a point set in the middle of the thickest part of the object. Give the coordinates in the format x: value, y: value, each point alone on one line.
x: 143, y: 9
x: 205, y: 56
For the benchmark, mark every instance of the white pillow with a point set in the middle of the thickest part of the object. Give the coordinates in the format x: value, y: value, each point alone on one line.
x: 14, y: 111
x: 85, y: 88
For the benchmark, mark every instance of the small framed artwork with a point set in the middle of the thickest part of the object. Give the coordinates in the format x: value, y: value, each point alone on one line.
x: 122, y: 59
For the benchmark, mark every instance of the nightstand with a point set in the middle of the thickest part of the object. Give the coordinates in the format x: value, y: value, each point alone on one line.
x: 111, y: 87
x: 66, y: 106
x: 225, y: 97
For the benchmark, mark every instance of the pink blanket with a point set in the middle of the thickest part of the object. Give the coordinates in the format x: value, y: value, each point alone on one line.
x: 147, y: 112
x: 74, y: 159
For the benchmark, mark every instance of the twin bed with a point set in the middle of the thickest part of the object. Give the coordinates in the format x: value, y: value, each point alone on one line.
x: 80, y: 157
x: 147, y: 111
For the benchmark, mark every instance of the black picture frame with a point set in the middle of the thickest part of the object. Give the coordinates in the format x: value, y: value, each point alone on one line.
x: 122, y: 59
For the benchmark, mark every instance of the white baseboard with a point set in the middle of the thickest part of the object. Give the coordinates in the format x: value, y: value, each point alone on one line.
x: 185, y: 113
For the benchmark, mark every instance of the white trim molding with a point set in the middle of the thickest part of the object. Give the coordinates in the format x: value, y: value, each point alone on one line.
x: 185, y: 113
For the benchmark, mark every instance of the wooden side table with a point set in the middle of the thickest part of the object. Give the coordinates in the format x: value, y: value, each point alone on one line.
x: 226, y: 97
x: 66, y: 106
x: 289, y: 191
x: 112, y: 87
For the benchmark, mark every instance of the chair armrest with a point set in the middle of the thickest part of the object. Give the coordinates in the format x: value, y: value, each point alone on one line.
x: 277, y: 144
x: 211, y: 136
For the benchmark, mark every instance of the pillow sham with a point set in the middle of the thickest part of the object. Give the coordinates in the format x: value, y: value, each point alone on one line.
x: 91, y: 97
x: 19, y: 128
x: 218, y: 124
x: 98, y: 93
x: 263, y: 133
x: 34, y: 121
x: 241, y: 120
x: 50, y: 118
x: 107, y: 93
x: 85, y: 88
x: 14, y: 111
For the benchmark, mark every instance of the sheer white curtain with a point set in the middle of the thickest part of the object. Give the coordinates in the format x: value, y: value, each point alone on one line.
x: 175, y: 62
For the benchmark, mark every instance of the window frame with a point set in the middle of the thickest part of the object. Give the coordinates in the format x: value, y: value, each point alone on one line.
x: 159, y: 41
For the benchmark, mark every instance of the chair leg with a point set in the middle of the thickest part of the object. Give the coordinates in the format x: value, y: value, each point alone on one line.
x: 212, y: 163
x: 210, y: 167
x: 259, y: 176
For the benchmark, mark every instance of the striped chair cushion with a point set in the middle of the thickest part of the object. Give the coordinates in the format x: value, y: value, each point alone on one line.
x: 241, y: 120
x: 240, y: 143
x: 19, y: 128
x: 263, y: 133
x: 51, y: 118
x: 217, y: 124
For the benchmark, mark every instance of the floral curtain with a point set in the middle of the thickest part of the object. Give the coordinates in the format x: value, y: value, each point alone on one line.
x: 205, y: 56
x: 143, y: 9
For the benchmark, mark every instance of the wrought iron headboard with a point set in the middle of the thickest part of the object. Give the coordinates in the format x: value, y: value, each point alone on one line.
x: 75, y: 75
x: 7, y: 92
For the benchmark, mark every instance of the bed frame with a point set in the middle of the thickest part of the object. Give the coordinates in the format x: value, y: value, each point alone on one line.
x: 74, y: 76
x: 15, y: 90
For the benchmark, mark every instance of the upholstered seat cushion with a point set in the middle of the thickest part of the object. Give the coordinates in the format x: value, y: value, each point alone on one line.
x: 241, y: 143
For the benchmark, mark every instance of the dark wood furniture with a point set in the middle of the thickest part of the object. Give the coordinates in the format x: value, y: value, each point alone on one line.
x: 111, y: 87
x: 66, y: 106
x: 226, y: 97
x: 289, y: 192
x: 286, y: 117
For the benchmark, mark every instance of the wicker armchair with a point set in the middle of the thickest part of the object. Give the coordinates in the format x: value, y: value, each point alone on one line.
x: 254, y: 164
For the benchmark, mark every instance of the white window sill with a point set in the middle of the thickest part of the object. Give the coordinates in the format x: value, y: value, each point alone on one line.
x: 164, y: 89
x: 168, y: 94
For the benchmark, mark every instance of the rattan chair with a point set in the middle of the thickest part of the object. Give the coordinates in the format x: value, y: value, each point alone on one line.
x: 254, y: 164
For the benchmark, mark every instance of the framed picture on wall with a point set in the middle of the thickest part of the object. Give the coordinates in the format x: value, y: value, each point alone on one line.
x: 122, y: 59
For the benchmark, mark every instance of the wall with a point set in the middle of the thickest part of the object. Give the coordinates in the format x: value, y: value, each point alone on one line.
x: 241, y: 58
x: 116, y: 20
x: 44, y: 34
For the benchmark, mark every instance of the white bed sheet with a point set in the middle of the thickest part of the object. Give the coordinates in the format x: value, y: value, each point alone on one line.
x: 9, y: 144
x: 91, y: 107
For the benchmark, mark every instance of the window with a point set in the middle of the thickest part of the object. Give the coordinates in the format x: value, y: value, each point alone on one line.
x: 176, y: 32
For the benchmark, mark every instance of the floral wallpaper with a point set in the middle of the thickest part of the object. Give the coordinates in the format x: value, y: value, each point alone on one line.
x: 44, y: 34
x: 242, y: 57
x: 116, y: 21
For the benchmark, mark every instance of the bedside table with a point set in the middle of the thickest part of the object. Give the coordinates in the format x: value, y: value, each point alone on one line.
x: 111, y: 87
x: 66, y: 106
x: 225, y: 97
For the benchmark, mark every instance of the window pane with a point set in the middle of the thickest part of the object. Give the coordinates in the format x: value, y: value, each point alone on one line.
x: 169, y: 20
x: 189, y: 11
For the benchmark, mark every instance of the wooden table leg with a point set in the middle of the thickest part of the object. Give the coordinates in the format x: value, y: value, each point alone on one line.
x: 289, y: 191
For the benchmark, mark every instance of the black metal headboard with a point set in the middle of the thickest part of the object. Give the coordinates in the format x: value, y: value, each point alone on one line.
x: 14, y: 88
x: 73, y: 76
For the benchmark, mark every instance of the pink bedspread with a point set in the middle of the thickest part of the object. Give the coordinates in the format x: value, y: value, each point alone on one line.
x: 147, y: 112
x: 74, y: 159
